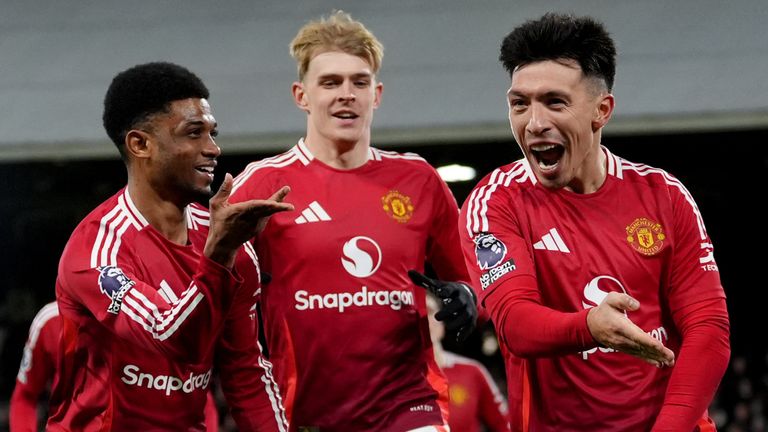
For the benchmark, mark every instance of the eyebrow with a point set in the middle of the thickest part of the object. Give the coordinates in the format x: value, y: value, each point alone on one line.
x: 338, y: 75
x: 547, y: 95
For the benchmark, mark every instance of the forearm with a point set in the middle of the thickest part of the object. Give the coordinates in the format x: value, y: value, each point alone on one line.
x: 529, y: 329
x: 701, y: 363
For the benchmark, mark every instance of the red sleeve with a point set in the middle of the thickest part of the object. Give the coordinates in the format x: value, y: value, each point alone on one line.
x: 700, y: 365
x: 501, y: 265
x: 529, y: 329
x: 493, y: 408
x: 184, y: 329
x: 38, y: 367
x: 697, y: 303
x: 246, y: 377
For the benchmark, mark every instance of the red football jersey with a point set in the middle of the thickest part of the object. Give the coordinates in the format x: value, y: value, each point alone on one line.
x: 475, y: 398
x: 37, y: 370
x: 143, y: 319
x: 345, y: 326
x: 641, y: 233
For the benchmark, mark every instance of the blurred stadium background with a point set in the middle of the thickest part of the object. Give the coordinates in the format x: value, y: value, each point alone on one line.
x: 691, y: 89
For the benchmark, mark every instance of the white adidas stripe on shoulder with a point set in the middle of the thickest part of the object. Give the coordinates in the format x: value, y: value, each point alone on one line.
x: 644, y: 170
x: 112, y: 226
x: 278, y: 161
x: 477, y: 209
x: 379, y: 154
x: 197, y: 217
x: 614, y: 164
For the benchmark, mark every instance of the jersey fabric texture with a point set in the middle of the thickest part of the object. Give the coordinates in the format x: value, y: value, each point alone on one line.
x: 143, y: 321
x: 345, y: 327
x: 641, y: 234
x: 37, y: 370
x: 475, y: 399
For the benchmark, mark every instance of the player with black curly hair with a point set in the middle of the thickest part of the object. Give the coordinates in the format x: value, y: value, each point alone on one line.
x: 597, y: 272
x: 152, y: 288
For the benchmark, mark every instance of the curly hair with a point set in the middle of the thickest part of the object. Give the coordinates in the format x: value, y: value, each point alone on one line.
x: 143, y: 90
x: 562, y: 37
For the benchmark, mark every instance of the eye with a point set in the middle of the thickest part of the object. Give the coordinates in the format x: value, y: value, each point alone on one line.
x: 362, y: 83
x: 557, y: 102
x: 194, y: 133
x: 328, y: 83
x: 214, y: 133
x: 517, y: 104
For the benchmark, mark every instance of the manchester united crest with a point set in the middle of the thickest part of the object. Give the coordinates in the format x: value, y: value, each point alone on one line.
x: 398, y: 206
x: 646, y: 236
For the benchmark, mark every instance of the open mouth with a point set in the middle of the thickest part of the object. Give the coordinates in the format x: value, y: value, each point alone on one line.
x: 205, y: 170
x: 547, y: 155
x: 345, y: 115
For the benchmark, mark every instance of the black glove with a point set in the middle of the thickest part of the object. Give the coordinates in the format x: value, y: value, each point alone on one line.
x: 459, y: 311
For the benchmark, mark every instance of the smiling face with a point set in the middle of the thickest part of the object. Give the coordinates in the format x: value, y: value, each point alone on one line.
x: 556, y: 115
x: 182, y: 151
x: 339, y: 93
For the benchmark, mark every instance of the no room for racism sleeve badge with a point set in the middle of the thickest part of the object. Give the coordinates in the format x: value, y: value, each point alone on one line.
x: 397, y: 206
x: 114, y: 284
x: 490, y: 251
x: 646, y: 236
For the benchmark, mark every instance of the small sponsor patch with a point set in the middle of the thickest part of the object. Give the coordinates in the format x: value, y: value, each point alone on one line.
x: 489, y: 251
x: 397, y: 206
x: 645, y: 236
x: 494, y: 274
x: 114, y: 284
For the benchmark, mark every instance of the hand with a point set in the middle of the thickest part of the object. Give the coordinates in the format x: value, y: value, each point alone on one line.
x: 610, y: 327
x: 231, y: 225
x: 459, y: 310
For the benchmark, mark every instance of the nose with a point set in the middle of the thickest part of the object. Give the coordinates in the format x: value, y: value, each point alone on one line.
x: 347, y: 93
x: 537, y: 122
x: 211, y: 149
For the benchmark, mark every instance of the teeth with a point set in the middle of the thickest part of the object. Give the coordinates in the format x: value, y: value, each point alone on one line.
x: 543, y: 165
x: 544, y: 147
x: 345, y: 115
x: 209, y: 170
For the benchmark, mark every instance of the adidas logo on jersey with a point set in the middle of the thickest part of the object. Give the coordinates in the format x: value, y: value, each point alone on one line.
x: 313, y: 213
x: 552, y: 241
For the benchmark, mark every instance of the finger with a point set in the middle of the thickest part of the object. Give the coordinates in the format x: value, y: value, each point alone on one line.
x: 424, y: 281
x: 622, y: 301
x: 224, y: 190
x: 262, y: 208
x: 279, y: 196
x: 639, y: 343
x: 457, y: 323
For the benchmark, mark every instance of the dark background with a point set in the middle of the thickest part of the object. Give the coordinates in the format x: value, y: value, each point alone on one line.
x: 42, y: 202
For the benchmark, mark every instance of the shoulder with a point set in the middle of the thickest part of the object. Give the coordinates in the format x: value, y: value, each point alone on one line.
x: 255, y: 172
x: 407, y: 162
x: 512, y: 179
x: 46, y: 314
x: 643, y: 175
x: 100, y: 235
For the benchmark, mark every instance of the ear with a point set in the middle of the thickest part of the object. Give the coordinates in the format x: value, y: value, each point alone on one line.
x: 137, y: 144
x: 377, y: 90
x: 300, y: 96
x: 603, y: 111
